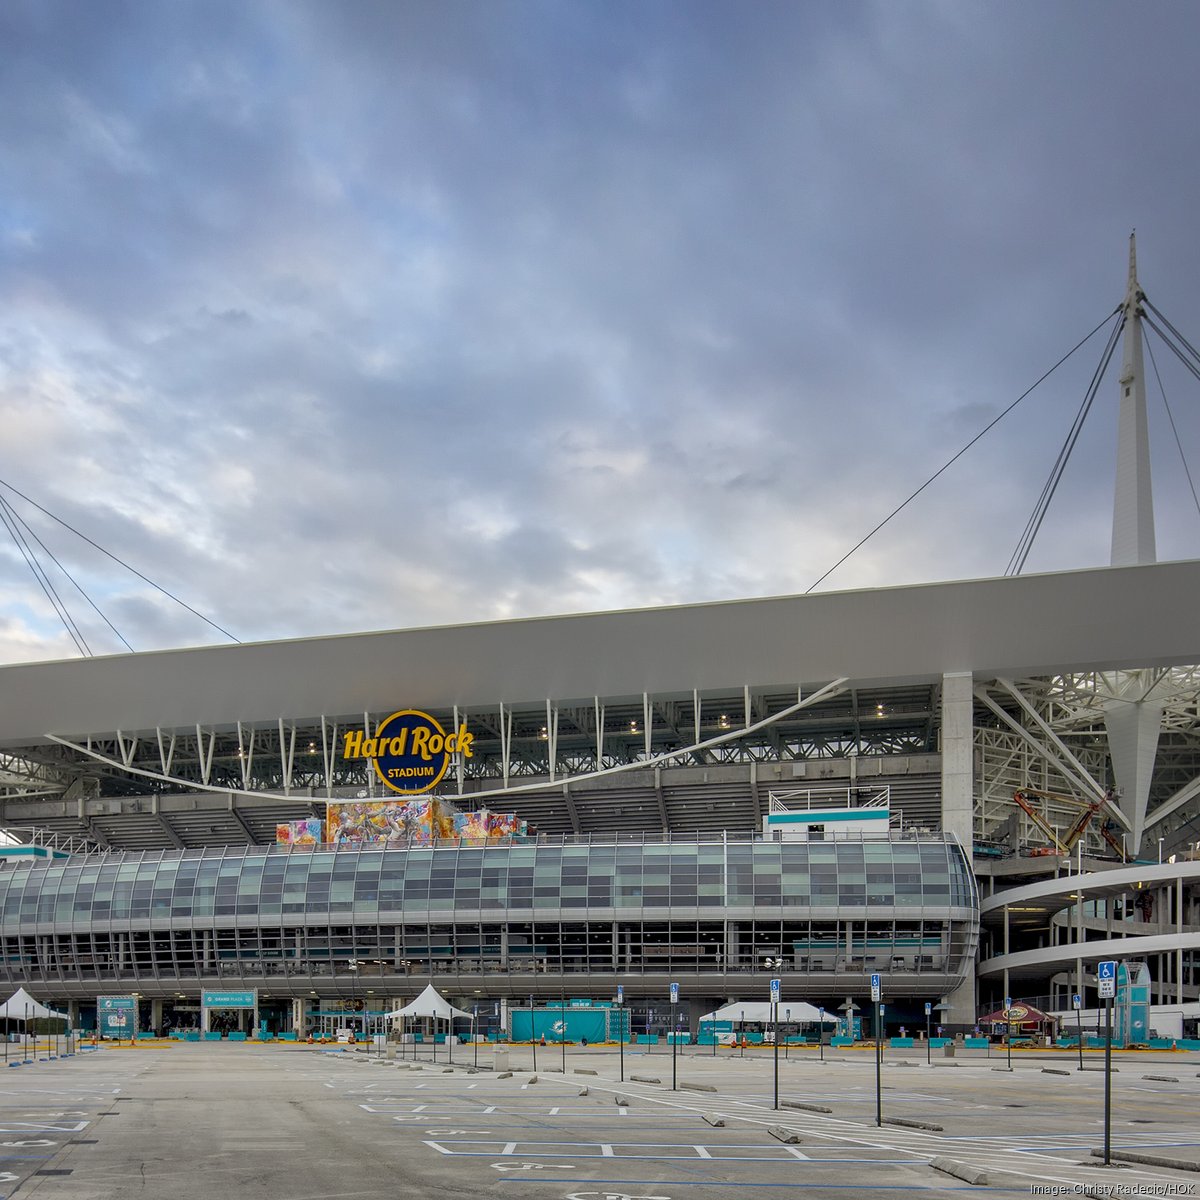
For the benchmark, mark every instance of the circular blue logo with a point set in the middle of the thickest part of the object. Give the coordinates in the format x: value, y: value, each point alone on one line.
x: 412, y: 752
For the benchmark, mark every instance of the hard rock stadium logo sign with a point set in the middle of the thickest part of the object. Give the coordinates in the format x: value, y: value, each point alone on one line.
x: 410, y: 750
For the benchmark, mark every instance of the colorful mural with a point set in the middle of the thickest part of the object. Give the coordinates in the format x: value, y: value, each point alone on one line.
x: 308, y: 832
x: 400, y: 823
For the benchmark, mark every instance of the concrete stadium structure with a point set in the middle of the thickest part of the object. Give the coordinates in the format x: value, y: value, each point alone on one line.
x: 682, y: 727
x: 1046, y: 728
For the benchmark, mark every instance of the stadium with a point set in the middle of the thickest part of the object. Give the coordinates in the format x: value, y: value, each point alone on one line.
x: 975, y: 790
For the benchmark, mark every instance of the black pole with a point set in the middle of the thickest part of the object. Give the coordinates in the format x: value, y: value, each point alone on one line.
x: 821, y: 1035
x: 1108, y: 1007
x: 674, y: 1050
x: 532, y: 1033
x: 928, y: 1046
x: 475, y: 1035
x: 775, y: 1022
x: 742, y: 1036
x: 878, y: 1068
x: 1079, y: 1020
x: 562, y: 1016
x: 787, y: 1042
x: 621, y: 1033
x: 1008, y: 1039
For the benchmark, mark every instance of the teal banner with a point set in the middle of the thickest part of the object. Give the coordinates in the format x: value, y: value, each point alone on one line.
x: 116, y: 1016
x: 227, y: 999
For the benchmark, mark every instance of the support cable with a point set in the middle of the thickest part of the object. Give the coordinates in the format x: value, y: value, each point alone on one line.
x: 950, y: 462
x: 1174, y: 430
x: 1179, y: 354
x: 1025, y: 544
x: 120, y: 562
x: 1179, y: 336
x: 44, y: 581
x: 16, y: 516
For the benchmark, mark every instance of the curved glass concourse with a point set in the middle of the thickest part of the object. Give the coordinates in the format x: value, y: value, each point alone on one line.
x: 503, y: 919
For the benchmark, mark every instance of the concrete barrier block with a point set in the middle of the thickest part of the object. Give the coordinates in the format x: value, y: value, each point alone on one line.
x: 910, y: 1123
x: 698, y: 1087
x: 819, y: 1108
x: 645, y: 1079
x: 1149, y: 1160
x: 786, y: 1136
x: 963, y: 1171
x: 715, y: 1122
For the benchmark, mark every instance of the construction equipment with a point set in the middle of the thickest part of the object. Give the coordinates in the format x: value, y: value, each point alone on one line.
x: 1066, y: 843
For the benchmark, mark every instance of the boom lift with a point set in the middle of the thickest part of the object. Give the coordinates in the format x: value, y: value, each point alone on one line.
x: 1069, y: 840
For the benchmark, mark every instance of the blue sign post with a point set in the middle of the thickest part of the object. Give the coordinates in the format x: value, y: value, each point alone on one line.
x: 1106, y: 978
x: 776, y: 988
x: 674, y: 1039
x: 876, y: 997
x: 621, y: 1025
x: 1008, y: 1028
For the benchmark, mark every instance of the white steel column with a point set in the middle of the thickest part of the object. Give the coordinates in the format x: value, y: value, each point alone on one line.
x: 329, y: 752
x: 460, y: 759
x: 505, y: 741
x: 1133, y: 502
x: 552, y: 734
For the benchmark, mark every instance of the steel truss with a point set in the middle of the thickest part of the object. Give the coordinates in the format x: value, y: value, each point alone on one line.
x: 1049, y: 734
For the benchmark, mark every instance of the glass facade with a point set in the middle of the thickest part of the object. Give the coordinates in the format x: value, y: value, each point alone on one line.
x: 710, y: 906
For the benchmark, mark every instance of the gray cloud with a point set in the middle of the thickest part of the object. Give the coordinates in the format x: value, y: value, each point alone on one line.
x: 334, y: 317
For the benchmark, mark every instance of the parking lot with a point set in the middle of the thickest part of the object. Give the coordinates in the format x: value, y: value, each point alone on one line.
x: 182, y: 1121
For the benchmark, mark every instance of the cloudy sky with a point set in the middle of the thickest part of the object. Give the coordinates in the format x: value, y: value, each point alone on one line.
x: 331, y: 316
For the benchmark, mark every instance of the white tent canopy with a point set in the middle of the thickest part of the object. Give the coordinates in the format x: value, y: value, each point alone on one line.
x: 21, y: 1006
x: 429, y: 1004
x: 759, y: 1012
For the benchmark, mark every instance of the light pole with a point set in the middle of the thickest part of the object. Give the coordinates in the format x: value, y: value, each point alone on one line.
x: 787, y: 1018
x: 821, y: 1035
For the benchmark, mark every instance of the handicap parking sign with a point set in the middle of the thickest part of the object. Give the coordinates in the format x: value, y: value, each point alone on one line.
x: 776, y: 984
x: 1106, y: 976
x: 876, y: 988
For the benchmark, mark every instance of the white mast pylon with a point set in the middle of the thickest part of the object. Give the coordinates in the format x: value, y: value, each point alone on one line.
x: 1134, y: 709
x: 1133, y: 503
